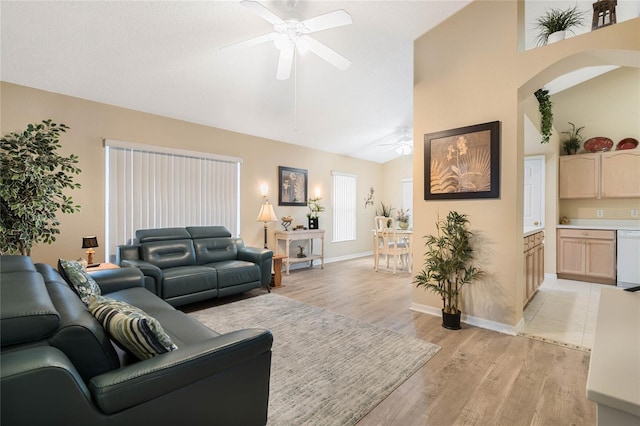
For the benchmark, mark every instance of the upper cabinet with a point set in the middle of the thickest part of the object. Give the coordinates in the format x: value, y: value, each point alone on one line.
x: 620, y: 174
x: 600, y: 175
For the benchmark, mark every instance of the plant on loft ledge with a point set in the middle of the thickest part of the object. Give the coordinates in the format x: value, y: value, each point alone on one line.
x: 572, y: 144
x: 447, y: 265
x: 546, y: 114
x: 33, y: 177
x: 554, y: 24
x: 315, y: 208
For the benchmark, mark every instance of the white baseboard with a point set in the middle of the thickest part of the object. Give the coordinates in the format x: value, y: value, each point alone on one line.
x: 316, y: 262
x: 471, y: 320
x: 550, y: 276
x: 348, y: 257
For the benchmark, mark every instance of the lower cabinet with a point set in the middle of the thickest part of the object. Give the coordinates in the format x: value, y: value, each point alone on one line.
x: 587, y: 255
x: 533, y: 264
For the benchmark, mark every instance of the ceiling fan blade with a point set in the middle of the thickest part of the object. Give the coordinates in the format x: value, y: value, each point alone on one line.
x: 333, y: 19
x: 262, y: 12
x: 251, y: 42
x: 284, y: 63
x: 329, y: 55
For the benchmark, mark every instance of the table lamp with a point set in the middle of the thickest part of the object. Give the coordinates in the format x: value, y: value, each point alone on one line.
x: 89, y: 243
x: 266, y: 215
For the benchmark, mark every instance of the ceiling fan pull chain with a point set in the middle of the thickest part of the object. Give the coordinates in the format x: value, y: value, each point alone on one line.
x: 295, y: 90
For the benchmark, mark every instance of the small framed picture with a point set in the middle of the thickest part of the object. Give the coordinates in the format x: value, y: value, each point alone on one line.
x: 293, y: 186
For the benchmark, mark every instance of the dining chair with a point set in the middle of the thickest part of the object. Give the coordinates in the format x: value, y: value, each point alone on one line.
x: 388, y: 242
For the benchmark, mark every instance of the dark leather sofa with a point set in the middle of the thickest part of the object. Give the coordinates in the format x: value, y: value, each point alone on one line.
x: 186, y: 265
x: 59, y: 367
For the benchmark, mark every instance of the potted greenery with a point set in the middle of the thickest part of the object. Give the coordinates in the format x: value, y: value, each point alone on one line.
x: 315, y: 208
x: 546, y: 113
x: 33, y: 177
x: 572, y: 143
x: 553, y: 25
x: 403, y: 218
x: 447, y: 265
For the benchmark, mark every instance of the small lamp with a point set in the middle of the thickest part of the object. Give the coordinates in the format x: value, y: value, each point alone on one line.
x: 266, y: 215
x: 89, y: 243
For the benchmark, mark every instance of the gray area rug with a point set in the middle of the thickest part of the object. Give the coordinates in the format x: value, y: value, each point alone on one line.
x: 326, y: 369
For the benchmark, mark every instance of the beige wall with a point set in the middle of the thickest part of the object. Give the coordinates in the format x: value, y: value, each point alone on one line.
x: 90, y: 122
x: 608, y: 105
x: 462, y: 80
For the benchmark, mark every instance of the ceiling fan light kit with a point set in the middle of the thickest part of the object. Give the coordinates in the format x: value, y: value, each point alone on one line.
x: 293, y: 34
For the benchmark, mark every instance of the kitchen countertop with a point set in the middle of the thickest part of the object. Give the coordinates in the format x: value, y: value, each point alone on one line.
x: 614, y: 370
x: 605, y: 224
x: 530, y: 230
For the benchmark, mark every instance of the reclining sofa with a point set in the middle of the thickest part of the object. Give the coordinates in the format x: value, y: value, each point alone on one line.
x: 60, y: 367
x: 186, y: 265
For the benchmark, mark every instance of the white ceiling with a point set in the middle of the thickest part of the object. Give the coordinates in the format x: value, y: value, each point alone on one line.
x: 164, y: 58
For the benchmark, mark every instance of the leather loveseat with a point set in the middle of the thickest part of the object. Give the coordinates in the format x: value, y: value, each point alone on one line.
x: 186, y: 265
x: 59, y: 366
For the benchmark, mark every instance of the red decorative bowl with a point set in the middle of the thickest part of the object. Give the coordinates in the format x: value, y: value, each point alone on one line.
x: 627, y: 143
x: 599, y: 143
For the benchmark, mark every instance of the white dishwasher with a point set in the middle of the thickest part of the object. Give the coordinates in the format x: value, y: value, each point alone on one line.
x: 628, y: 274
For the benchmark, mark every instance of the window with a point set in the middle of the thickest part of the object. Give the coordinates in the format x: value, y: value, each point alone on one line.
x: 155, y: 187
x: 407, y: 197
x: 344, y: 207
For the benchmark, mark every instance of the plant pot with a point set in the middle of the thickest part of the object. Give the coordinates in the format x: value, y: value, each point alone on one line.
x: 451, y: 321
x: 313, y: 223
x: 403, y: 225
x: 557, y: 36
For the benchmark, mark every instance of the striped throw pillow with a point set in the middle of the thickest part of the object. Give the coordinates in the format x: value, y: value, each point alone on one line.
x: 132, y: 328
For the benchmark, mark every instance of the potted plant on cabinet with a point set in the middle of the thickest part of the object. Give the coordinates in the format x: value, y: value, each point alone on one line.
x: 553, y: 25
x: 315, y: 208
x: 447, y: 265
x: 33, y: 177
x: 571, y: 145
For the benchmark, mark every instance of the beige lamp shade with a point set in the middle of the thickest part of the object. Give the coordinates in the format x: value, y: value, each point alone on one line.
x: 267, y: 214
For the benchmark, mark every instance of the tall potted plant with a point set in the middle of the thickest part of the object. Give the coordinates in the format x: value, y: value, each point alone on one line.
x: 553, y: 25
x: 447, y: 265
x: 33, y: 177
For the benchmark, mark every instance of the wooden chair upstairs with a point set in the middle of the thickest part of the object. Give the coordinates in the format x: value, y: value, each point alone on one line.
x: 390, y: 243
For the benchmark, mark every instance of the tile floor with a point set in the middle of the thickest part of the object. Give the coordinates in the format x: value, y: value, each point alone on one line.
x: 563, y: 312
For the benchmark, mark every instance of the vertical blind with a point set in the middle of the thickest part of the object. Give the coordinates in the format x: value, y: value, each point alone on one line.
x: 154, y: 187
x: 344, y: 207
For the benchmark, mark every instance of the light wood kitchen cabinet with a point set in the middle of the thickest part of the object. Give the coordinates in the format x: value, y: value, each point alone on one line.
x: 600, y: 175
x: 587, y: 255
x: 533, y: 264
x: 579, y: 176
x: 620, y: 174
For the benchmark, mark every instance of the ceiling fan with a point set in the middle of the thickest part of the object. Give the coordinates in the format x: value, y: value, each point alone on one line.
x: 292, y: 34
x: 403, y: 146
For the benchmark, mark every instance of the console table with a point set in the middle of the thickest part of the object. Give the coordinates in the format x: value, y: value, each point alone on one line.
x: 307, y: 234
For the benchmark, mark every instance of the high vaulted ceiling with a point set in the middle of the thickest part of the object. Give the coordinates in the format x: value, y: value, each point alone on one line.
x: 164, y: 58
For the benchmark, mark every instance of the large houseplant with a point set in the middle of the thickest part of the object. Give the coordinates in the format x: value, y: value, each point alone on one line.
x: 33, y: 177
x: 553, y: 25
x: 447, y: 265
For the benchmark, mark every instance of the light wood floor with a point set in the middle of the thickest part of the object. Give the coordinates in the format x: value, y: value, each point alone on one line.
x: 479, y: 377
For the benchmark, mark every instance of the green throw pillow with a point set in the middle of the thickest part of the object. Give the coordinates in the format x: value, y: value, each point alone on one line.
x: 131, y: 328
x: 81, y: 282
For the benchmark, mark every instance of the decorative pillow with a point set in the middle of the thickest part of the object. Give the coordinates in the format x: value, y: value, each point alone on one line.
x: 80, y: 281
x: 130, y: 327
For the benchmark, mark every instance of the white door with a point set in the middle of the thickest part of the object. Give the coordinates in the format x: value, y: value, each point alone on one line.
x: 534, y: 191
